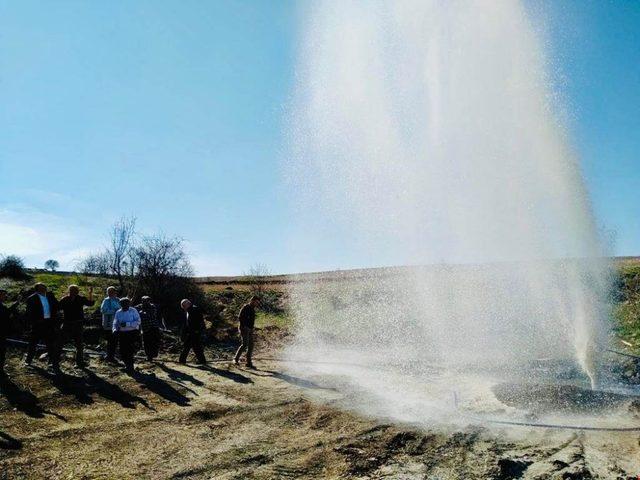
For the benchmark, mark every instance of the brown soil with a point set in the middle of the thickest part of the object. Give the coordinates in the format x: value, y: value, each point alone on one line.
x: 225, y: 422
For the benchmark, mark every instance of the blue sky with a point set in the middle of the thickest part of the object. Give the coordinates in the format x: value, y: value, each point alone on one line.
x: 175, y: 112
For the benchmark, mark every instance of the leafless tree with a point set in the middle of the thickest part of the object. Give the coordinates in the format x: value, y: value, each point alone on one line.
x: 154, y: 265
x: 161, y: 266
x: 95, y: 263
x: 121, y: 244
x: 257, y: 276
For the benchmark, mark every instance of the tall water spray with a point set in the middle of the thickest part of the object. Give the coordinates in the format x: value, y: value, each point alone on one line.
x: 425, y: 133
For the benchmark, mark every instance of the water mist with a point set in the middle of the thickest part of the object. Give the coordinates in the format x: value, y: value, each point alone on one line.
x: 425, y: 133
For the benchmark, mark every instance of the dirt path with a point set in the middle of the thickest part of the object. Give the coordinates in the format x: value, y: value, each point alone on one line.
x: 173, y: 421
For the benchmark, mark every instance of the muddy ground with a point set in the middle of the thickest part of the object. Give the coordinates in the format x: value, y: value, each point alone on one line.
x: 224, y: 422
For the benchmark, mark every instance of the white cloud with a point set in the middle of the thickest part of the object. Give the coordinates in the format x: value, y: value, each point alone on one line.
x: 37, y: 236
x: 20, y: 240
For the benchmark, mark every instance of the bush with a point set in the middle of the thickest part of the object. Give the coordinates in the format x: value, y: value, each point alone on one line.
x: 13, y: 267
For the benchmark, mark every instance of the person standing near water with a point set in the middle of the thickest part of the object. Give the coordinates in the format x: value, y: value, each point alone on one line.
x: 5, y: 327
x: 126, y: 326
x: 110, y: 305
x: 150, y: 327
x: 246, y: 320
x: 72, y: 305
x: 42, y: 311
x: 192, y: 328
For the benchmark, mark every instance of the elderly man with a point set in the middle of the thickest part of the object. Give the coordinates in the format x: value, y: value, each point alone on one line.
x: 126, y: 325
x: 5, y: 326
x: 151, y: 323
x: 72, y: 306
x: 110, y: 305
x: 247, y: 320
x: 42, y: 310
x: 192, y: 328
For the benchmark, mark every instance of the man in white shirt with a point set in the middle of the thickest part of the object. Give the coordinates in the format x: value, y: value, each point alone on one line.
x: 42, y: 310
x: 126, y: 325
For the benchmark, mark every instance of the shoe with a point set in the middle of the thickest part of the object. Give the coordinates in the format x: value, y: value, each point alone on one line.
x: 182, y: 362
x: 251, y: 366
x: 236, y: 361
x: 203, y: 362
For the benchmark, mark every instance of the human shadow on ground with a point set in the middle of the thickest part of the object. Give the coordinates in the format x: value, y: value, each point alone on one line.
x: 84, y: 387
x: 23, y: 400
x: 179, y: 376
x: 67, y: 384
x: 111, y: 391
x: 298, y: 382
x: 236, y: 377
x: 7, y: 442
x: 161, y: 388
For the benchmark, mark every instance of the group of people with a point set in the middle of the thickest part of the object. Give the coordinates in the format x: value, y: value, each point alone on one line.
x: 122, y: 323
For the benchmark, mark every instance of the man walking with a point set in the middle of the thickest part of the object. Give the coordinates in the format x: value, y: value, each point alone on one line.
x: 5, y: 327
x: 126, y: 325
x: 72, y: 306
x: 192, y: 328
x: 247, y: 320
x: 110, y: 305
x: 150, y: 327
x: 42, y: 309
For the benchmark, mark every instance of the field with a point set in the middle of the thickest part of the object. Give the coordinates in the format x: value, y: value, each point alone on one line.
x: 228, y: 422
x: 222, y: 421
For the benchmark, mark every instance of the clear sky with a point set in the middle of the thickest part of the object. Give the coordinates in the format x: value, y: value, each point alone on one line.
x: 175, y: 112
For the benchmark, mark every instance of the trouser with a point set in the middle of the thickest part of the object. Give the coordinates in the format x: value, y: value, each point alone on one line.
x: 112, y: 343
x: 189, y: 341
x: 3, y: 351
x: 112, y: 339
x: 128, y: 346
x: 246, y: 334
x: 151, y: 342
x: 73, y: 332
x: 48, y: 334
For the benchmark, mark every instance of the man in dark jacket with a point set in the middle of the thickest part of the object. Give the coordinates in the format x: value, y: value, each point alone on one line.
x: 151, y: 323
x: 42, y: 311
x: 72, y: 305
x: 192, y: 328
x: 5, y: 327
x: 247, y: 320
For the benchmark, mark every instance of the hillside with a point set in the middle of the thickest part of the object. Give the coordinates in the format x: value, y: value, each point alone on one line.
x: 170, y: 421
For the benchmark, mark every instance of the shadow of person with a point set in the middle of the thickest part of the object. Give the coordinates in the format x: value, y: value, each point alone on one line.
x: 161, y: 388
x: 111, y: 391
x: 236, y: 377
x: 298, y: 382
x: 7, y: 442
x: 22, y: 400
x: 67, y: 384
x: 179, y: 376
